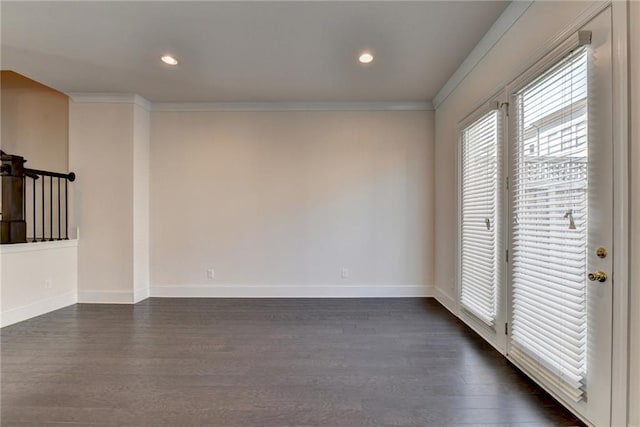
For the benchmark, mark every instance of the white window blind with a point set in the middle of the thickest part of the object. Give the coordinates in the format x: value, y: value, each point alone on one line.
x: 549, y: 329
x: 479, y: 226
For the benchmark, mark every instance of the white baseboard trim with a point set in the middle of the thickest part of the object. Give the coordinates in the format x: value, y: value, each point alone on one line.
x: 37, y: 308
x: 275, y: 291
x: 105, y: 297
x: 448, y: 302
x: 140, y: 294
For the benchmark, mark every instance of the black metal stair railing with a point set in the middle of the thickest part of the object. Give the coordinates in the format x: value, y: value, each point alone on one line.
x: 34, y: 206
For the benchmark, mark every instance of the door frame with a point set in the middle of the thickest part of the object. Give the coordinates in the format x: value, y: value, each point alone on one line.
x: 621, y: 214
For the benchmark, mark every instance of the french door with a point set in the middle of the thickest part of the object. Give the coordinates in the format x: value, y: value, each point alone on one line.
x: 481, y: 226
x: 560, y: 222
x: 540, y: 263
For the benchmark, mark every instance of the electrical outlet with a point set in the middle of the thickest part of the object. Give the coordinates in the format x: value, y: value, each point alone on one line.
x: 345, y: 273
x: 48, y: 284
x: 210, y: 273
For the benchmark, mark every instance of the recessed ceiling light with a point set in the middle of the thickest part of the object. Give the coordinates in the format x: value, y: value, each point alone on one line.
x: 365, y: 57
x: 169, y: 60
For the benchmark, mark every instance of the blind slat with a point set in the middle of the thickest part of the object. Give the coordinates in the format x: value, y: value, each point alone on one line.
x: 480, y: 199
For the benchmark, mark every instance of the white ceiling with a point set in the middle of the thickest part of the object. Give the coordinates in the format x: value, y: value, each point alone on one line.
x: 245, y: 51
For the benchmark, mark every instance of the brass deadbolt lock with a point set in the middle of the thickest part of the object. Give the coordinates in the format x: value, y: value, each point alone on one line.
x: 601, y: 252
x: 599, y: 276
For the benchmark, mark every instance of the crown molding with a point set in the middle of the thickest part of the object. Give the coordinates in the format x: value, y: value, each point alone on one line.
x: 130, y: 98
x: 110, y: 98
x: 291, y: 106
x: 505, y: 21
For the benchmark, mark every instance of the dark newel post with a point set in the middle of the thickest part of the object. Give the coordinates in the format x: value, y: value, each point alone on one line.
x: 13, y: 227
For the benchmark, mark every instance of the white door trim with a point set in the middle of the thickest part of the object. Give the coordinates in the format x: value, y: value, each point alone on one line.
x: 621, y: 218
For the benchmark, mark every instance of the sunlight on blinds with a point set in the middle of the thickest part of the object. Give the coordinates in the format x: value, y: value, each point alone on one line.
x: 549, y: 329
x: 479, y: 225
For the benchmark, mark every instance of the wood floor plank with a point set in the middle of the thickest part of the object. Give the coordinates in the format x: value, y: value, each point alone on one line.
x: 262, y: 362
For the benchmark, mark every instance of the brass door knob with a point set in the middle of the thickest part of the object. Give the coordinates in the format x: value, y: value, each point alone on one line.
x: 600, y: 276
x: 601, y: 252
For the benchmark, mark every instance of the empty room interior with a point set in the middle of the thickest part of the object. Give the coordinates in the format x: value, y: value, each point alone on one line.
x: 320, y: 213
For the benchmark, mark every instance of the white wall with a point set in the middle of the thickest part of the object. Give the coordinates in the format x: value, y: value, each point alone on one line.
x: 141, y: 146
x: 277, y: 203
x: 108, y: 144
x: 37, y: 278
x: 634, y: 395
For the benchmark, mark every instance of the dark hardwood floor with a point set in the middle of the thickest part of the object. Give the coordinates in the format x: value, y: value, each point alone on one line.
x: 262, y: 362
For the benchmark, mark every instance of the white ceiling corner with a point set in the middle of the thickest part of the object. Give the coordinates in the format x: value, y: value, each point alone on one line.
x: 509, y: 16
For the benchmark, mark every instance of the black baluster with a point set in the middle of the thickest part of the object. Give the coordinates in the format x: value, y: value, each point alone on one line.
x: 24, y: 198
x: 34, y: 210
x: 43, y: 210
x: 59, y: 223
x: 50, y: 208
x: 66, y: 211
